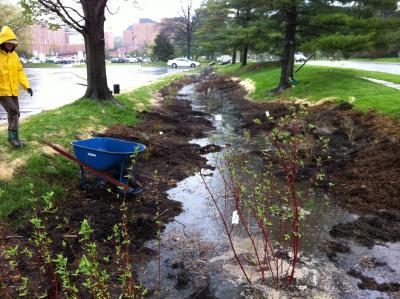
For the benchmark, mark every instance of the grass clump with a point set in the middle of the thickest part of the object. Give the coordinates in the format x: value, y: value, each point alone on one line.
x: 39, y: 166
x: 316, y: 83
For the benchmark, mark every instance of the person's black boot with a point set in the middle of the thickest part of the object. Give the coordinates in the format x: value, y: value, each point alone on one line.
x: 13, y: 139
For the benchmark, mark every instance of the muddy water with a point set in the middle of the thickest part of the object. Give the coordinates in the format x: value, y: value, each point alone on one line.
x: 196, y: 259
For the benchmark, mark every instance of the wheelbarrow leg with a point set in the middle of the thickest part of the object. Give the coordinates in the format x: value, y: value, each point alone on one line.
x: 124, y: 180
x: 99, y: 182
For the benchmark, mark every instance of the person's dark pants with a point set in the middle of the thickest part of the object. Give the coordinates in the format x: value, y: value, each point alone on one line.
x: 11, y: 105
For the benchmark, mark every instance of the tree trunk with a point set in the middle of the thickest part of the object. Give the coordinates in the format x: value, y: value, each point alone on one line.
x: 189, y: 45
x: 241, y: 55
x: 97, y: 88
x: 234, y: 55
x: 244, y: 54
x: 290, y: 16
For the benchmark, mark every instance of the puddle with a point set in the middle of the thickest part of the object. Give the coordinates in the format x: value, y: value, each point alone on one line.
x: 195, y: 242
x: 47, y: 83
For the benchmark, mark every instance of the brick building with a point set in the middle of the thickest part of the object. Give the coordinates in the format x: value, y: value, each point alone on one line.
x: 139, y: 35
x: 46, y: 41
x: 109, y: 40
x: 61, y: 42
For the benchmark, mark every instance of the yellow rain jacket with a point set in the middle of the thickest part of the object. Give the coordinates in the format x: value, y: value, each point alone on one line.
x: 11, y: 71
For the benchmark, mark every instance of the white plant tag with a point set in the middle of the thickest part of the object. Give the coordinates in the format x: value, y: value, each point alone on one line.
x: 218, y: 117
x: 235, y: 217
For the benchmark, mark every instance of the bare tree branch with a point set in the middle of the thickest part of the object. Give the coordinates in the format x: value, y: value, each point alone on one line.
x: 51, y: 6
x: 113, y: 13
x: 65, y: 8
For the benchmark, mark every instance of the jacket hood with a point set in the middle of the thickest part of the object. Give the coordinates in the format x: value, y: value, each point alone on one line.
x: 7, y: 34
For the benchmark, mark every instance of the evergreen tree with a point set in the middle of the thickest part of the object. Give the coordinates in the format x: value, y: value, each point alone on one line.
x: 282, y: 27
x: 211, y: 33
x: 163, y: 49
x: 230, y: 26
x: 339, y: 26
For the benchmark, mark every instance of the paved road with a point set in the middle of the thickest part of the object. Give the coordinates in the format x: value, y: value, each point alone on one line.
x: 55, y: 87
x: 385, y: 67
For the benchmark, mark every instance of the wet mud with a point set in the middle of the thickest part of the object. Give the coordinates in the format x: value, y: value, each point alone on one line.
x: 363, y: 164
x: 362, y: 161
x: 169, y: 158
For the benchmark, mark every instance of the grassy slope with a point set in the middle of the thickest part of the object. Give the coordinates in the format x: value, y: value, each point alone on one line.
x: 61, y: 126
x: 321, y: 82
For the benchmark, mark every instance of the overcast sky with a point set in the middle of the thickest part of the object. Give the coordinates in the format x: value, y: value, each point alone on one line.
x: 128, y: 13
x: 153, y: 9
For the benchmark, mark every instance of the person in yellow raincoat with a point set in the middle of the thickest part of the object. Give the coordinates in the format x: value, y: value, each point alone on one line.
x: 11, y: 75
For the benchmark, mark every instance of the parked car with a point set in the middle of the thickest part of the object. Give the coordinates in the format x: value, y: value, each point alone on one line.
x: 23, y: 60
x: 182, y: 61
x: 133, y: 60
x: 66, y: 60
x: 51, y: 60
x: 300, y: 58
x: 224, y: 59
x: 119, y: 60
x: 35, y: 60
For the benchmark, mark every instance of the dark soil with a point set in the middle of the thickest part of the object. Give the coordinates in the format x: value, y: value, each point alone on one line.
x: 364, y: 165
x: 371, y: 284
x: 369, y: 229
x: 364, y: 161
x: 331, y: 248
x: 168, y: 159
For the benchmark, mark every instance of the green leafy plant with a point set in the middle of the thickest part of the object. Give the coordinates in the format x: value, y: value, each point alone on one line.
x: 96, y: 279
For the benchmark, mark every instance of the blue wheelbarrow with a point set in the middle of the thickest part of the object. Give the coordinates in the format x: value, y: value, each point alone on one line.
x: 100, y: 155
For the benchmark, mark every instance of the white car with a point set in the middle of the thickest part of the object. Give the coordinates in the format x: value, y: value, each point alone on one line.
x: 300, y: 58
x: 34, y: 60
x: 182, y: 61
x: 224, y: 59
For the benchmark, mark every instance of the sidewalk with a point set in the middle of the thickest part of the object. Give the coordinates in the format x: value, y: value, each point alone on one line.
x: 382, y: 82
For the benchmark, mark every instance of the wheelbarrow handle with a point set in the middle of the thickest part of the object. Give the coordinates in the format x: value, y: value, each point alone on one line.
x: 104, y: 175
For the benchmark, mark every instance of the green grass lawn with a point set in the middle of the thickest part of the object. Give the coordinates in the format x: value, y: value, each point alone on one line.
x: 46, y: 172
x: 41, y: 65
x: 321, y: 82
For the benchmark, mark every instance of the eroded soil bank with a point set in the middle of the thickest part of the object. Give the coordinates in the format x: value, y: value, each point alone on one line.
x: 363, y: 162
x: 364, y: 166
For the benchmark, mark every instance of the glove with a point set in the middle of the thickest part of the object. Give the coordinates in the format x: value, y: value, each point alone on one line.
x: 29, y: 90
